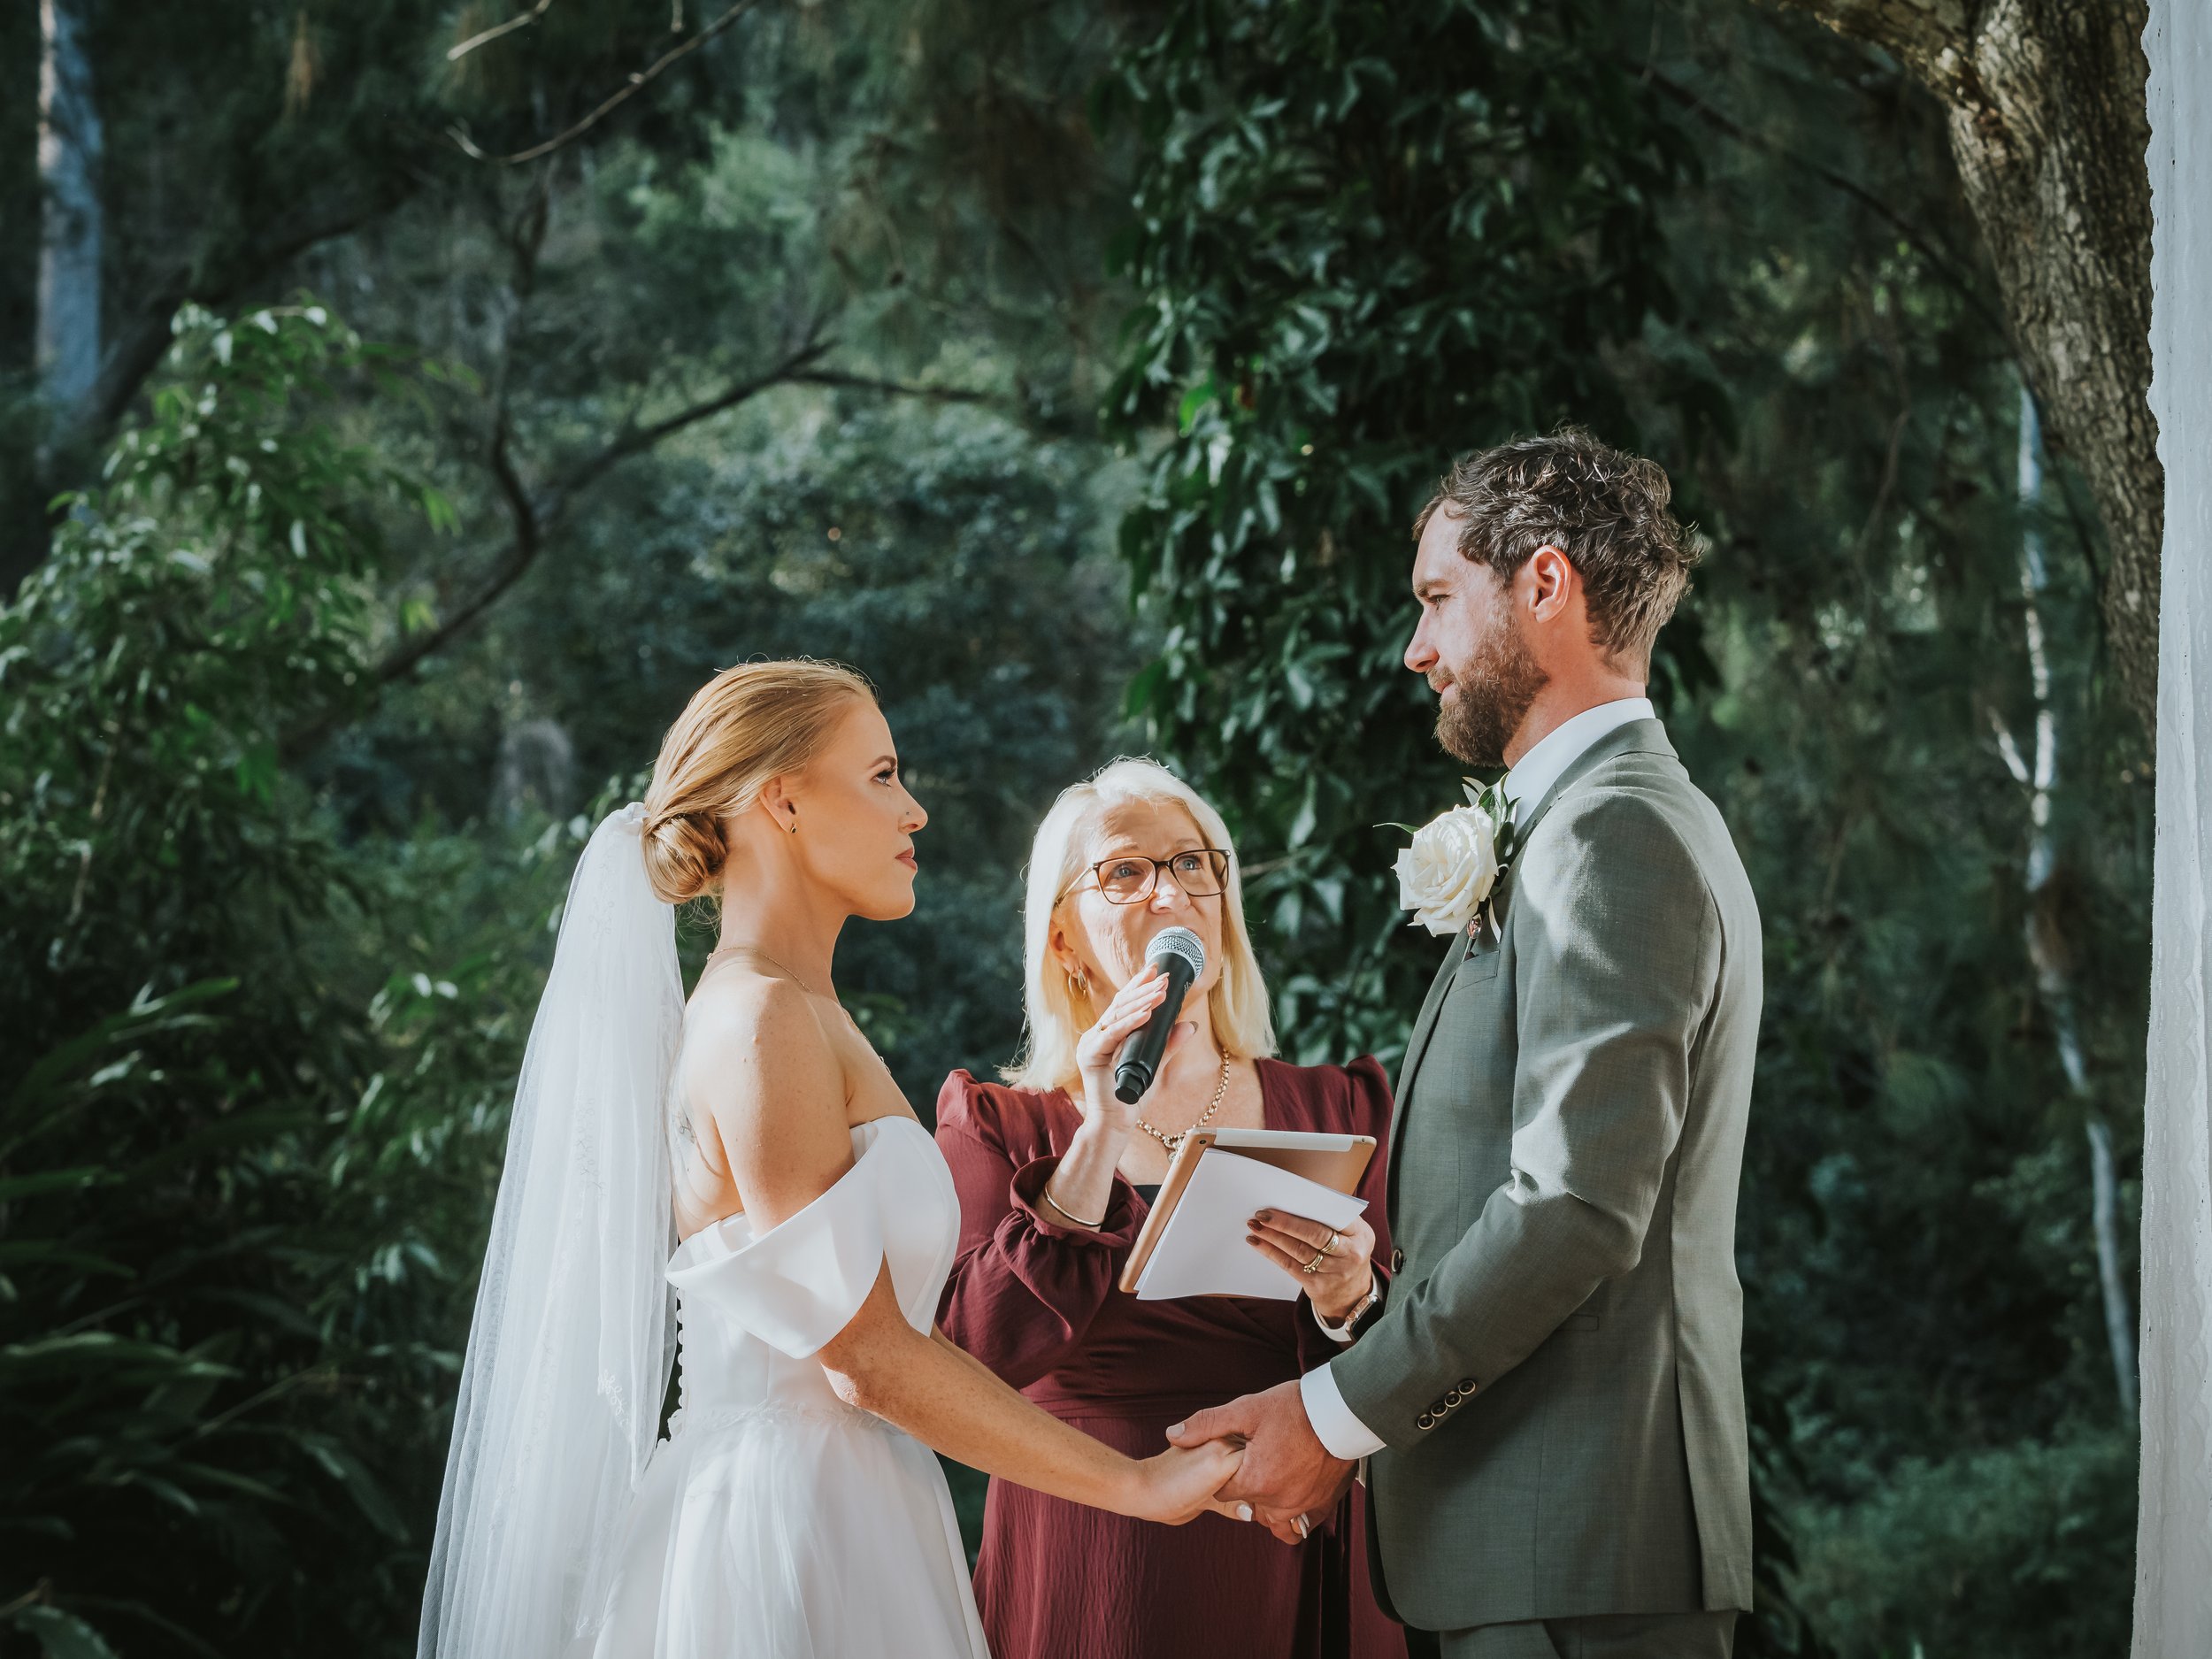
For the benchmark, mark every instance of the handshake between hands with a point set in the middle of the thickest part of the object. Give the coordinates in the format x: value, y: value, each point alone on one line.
x: 1286, y: 1478
x: 1279, y: 1472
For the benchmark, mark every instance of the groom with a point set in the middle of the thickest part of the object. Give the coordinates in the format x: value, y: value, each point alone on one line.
x: 1549, y: 1394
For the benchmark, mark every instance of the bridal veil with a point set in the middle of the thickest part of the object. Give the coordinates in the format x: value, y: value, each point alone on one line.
x: 570, y: 1349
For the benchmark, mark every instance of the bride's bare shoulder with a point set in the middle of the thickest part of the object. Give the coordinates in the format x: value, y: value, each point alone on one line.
x: 739, y: 1021
x: 730, y: 993
x: 759, y: 1056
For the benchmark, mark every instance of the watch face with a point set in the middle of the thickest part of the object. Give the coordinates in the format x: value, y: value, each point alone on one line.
x: 1362, y: 1313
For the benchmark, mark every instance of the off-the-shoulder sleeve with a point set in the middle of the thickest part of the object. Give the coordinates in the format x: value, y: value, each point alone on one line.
x: 1023, y: 1288
x: 800, y: 1283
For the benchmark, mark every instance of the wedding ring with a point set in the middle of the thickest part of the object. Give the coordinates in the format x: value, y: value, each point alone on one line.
x: 1329, y: 1246
x: 1319, y: 1256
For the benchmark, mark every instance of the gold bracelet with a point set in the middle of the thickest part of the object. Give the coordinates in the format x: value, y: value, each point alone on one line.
x: 1045, y: 1193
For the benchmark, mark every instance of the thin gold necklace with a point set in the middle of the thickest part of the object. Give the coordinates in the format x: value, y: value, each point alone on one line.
x: 724, y: 950
x: 1174, y: 1141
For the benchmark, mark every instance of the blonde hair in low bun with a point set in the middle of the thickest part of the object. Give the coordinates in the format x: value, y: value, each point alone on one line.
x: 747, y: 725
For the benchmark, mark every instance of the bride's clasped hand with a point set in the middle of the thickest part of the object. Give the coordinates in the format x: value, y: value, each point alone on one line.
x: 1180, y: 1485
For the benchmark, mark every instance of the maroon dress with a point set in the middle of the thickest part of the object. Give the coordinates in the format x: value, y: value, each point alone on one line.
x: 1036, y: 1301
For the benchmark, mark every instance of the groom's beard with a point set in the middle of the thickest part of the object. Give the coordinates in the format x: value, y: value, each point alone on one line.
x: 1495, y: 688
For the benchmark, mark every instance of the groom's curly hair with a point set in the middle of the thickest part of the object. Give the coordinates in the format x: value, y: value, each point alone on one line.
x: 1604, y: 509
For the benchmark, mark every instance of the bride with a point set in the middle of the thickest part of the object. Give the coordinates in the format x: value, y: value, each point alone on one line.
x: 796, y: 1510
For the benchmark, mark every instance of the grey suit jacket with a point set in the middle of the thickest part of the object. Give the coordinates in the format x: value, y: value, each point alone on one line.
x: 1557, y: 1372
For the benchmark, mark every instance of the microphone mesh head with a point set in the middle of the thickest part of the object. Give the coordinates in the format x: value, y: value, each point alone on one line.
x: 1178, y: 941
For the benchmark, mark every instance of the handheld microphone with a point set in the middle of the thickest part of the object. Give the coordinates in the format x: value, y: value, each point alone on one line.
x: 1178, y: 954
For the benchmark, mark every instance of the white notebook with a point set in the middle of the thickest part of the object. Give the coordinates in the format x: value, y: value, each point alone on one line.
x: 1201, y: 1250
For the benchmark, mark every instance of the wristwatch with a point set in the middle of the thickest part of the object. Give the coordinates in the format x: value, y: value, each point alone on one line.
x: 1364, y: 1310
x: 1370, y: 1307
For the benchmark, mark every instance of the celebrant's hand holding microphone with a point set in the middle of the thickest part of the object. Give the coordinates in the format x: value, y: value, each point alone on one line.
x: 1121, y: 1053
x: 1133, y: 1034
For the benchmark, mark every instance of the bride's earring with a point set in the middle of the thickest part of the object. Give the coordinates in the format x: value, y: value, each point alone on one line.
x: 795, y: 822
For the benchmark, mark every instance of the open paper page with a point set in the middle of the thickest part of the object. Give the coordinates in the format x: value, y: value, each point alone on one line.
x: 1202, y: 1253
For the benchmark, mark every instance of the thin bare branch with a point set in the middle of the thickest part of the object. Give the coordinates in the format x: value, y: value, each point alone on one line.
x: 2015, y: 762
x: 640, y: 439
x: 520, y: 20
x: 142, y: 342
x: 901, y: 388
x: 1925, y: 34
x: 637, y: 83
x: 522, y: 552
x: 538, y: 516
x: 1941, y: 263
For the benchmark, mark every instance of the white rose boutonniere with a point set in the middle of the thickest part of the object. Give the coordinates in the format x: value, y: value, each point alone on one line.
x: 1453, y: 865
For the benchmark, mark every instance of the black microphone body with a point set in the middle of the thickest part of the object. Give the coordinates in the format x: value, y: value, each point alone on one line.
x: 1177, y: 953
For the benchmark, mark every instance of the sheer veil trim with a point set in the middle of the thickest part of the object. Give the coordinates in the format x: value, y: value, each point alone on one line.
x: 573, y: 1334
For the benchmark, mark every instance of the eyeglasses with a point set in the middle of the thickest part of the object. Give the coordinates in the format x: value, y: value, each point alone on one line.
x: 1131, y: 877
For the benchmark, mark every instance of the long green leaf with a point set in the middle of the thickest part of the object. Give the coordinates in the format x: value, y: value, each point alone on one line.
x: 58, y: 1067
x: 61, y: 1635
x: 36, y: 1186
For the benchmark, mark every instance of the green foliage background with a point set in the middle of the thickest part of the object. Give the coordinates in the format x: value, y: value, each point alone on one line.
x: 1138, y: 336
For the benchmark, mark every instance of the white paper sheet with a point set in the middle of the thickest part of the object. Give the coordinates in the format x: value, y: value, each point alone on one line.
x: 1202, y: 1253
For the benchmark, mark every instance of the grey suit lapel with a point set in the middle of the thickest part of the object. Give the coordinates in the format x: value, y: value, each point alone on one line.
x: 1637, y: 737
x: 1423, y: 1027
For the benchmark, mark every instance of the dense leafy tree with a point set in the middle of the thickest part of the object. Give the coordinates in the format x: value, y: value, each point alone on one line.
x: 1919, y: 1218
x: 1370, y: 239
x: 190, y: 1384
x: 845, y: 268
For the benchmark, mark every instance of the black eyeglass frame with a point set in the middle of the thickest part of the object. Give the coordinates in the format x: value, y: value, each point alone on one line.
x: 1222, y: 856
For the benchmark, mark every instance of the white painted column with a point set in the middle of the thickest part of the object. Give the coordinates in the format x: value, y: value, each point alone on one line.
x: 2173, y: 1595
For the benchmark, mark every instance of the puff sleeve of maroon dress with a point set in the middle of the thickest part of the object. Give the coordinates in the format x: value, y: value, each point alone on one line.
x: 1035, y: 1300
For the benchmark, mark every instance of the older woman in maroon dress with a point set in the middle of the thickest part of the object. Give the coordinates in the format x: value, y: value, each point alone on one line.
x: 1056, y: 1178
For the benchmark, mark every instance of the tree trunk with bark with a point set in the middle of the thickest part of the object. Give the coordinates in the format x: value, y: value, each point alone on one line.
x: 68, y: 348
x: 2045, y: 104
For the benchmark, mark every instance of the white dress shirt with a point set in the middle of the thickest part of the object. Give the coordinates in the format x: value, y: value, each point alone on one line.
x: 1335, y: 1426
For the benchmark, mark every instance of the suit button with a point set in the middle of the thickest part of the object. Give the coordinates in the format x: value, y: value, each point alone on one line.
x: 1452, y: 1397
x: 1425, y: 1421
x: 1397, y: 1262
x: 1466, y: 1384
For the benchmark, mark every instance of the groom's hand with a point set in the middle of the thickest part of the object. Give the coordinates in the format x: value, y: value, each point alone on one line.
x: 1286, y: 1472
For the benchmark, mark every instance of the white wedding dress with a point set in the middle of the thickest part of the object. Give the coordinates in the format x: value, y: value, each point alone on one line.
x: 777, y: 1522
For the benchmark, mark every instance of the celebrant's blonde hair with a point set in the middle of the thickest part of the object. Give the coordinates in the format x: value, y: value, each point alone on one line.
x: 1058, y: 1011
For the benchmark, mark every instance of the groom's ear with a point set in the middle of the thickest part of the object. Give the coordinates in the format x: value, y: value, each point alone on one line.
x: 1548, y: 582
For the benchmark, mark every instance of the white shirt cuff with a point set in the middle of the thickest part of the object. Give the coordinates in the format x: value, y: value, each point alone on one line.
x: 1341, y: 1434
